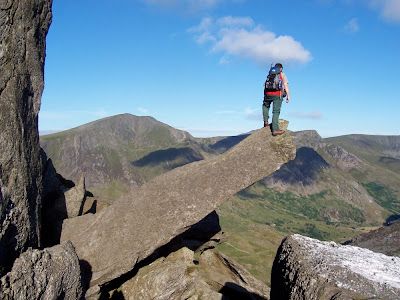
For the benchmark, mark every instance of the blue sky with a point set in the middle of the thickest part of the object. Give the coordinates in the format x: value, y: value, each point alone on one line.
x: 200, y: 65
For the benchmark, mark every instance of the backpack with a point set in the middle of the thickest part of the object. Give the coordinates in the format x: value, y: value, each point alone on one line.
x: 274, y: 80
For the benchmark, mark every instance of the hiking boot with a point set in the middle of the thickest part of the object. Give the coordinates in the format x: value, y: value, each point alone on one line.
x: 278, y: 132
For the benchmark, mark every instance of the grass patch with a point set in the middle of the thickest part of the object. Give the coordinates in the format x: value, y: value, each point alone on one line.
x: 384, y: 196
x: 255, y: 226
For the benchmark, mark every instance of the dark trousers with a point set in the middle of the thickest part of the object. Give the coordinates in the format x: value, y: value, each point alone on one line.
x: 276, y: 110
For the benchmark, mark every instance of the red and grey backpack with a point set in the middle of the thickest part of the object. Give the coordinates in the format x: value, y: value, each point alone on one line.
x: 274, y: 82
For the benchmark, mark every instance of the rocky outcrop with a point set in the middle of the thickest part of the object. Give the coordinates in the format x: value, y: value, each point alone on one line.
x: 62, y: 199
x: 53, y: 273
x: 183, y: 275
x: 344, y: 160
x: 384, y: 240
x: 114, y: 240
x: 75, y: 199
x: 305, y: 268
x: 23, y: 28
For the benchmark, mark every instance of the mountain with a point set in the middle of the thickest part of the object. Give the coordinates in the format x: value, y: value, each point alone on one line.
x: 118, y: 153
x: 332, y: 190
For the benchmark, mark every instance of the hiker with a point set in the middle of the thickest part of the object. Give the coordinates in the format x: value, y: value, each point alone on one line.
x: 275, y: 89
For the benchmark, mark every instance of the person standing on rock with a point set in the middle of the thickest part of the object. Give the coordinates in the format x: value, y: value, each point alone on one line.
x: 275, y: 89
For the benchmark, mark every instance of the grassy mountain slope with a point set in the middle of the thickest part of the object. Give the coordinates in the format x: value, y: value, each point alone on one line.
x: 121, y: 152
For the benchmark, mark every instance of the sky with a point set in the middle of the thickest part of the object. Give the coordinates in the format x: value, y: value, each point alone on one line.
x: 200, y: 65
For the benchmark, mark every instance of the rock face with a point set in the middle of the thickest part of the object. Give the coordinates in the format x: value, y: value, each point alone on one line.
x: 62, y: 199
x: 23, y: 28
x: 182, y: 275
x: 53, y: 273
x: 305, y: 268
x: 114, y: 240
x: 75, y: 199
x: 384, y: 240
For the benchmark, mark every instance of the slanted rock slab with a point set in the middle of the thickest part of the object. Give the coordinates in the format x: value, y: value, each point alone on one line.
x: 114, y: 240
x: 52, y: 273
x: 306, y: 268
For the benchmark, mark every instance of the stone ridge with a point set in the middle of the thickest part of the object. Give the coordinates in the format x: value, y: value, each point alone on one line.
x: 306, y: 268
x: 23, y: 29
x: 128, y: 231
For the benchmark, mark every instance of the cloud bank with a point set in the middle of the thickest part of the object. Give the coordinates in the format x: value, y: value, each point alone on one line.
x: 241, y: 37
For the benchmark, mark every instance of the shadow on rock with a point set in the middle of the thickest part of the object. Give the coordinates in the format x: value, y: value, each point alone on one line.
x: 86, y: 274
x: 228, y: 143
x: 232, y: 291
x: 196, y: 237
x: 391, y: 220
x: 8, y: 243
x: 169, y: 158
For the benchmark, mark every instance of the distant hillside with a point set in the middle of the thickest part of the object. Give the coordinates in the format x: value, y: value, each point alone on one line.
x: 380, y: 151
x: 329, y: 192
x: 121, y: 152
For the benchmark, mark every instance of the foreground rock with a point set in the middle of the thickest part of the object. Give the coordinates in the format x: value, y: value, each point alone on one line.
x: 23, y: 28
x: 114, y: 240
x: 53, y: 273
x: 384, y: 240
x: 183, y: 276
x: 305, y: 268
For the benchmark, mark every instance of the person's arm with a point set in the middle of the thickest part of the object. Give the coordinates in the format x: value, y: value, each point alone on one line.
x: 286, y: 86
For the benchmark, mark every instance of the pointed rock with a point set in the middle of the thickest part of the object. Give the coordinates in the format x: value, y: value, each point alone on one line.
x: 75, y: 199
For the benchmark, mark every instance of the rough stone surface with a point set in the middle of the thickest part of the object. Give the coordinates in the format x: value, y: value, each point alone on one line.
x: 53, y: 273
x: 182, y: 276
x: 75, y: 199
x: 384, y: 240
x: 61, y: 199
x: 305, y: 268
x: 23, y: 28
x: 115, y: 239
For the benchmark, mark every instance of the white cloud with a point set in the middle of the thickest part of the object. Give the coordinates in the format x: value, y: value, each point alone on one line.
x: 241, y: 37
x: 389, y: 9
x: 143, y: 110
x: 352, y: 26
x: 314, y: 115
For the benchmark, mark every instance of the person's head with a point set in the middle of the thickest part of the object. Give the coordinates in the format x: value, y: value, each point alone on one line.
x: 279, y: 65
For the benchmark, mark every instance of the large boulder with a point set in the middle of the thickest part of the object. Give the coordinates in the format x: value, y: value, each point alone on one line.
x: 306, y: 268
x: 114, y: 240
x: 52, y: 273
x: 23, y: 28
x: 185, y: 275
